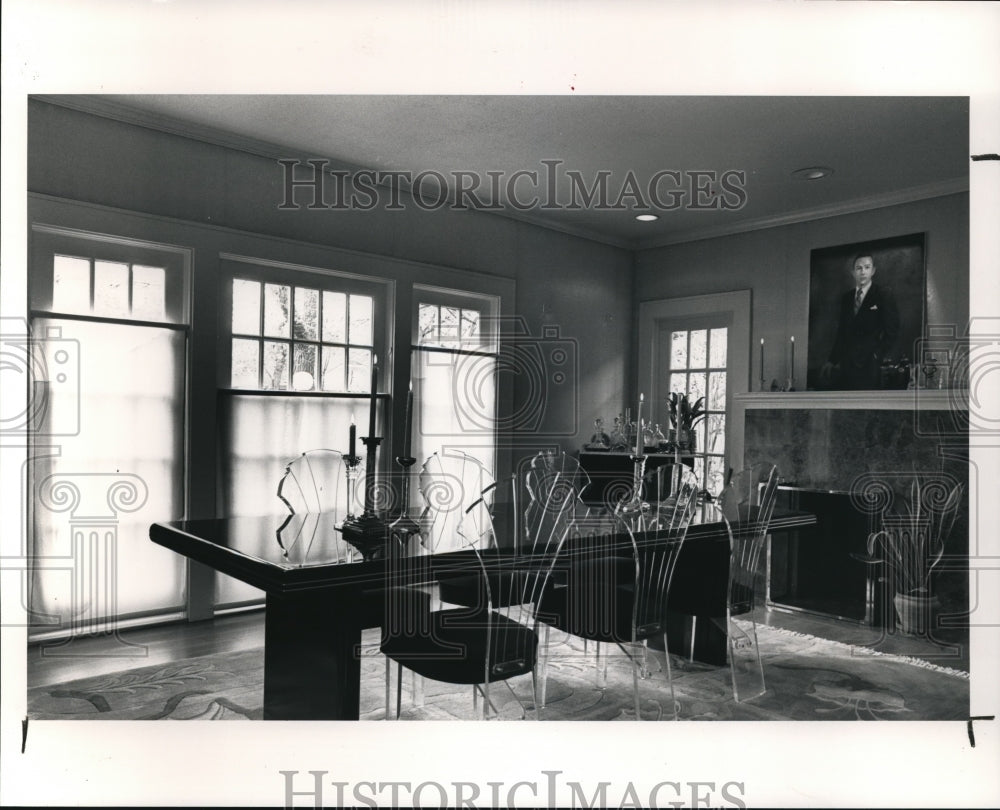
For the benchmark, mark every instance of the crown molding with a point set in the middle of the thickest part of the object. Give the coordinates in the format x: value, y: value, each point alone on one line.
x: 906, y: 400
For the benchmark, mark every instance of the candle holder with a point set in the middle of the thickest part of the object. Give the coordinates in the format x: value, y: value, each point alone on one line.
x: 403, y: 522
x: 369, y: 532
x: 634, y: 506
x: 353, y: 463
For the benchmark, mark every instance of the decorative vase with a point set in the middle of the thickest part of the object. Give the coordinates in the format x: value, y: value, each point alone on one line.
x: 915, y: 613
x: 685, y: 440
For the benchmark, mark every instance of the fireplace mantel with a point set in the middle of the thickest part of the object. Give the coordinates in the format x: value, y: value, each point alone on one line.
x: 907, y: 400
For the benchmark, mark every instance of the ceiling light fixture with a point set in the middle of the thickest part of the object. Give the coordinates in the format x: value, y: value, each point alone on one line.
x: 647, y: 217
x: 813, y: 172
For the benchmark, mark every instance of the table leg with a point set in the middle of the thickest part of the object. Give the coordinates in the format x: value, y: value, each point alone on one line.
x: 312, y: 668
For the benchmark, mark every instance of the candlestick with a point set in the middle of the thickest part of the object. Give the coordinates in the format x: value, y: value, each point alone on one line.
x: 762, y: 364
x: 354, y: 437
x: 638, y: 428
x: 791, y: 365
x: 406, y: 421
x: 374, y: 399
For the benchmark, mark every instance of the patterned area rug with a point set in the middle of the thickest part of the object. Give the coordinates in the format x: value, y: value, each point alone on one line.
x: 807, y: 679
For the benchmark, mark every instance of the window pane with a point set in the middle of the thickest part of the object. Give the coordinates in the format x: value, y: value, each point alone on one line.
x: 678, y: 383
x: 275, y: 366
x: 246, y: 363
x: 678, y: 351
x: 427, y: 318
x: 333, y: 369
x: 111, y: 289
x: 361, y: 320
x: 334, y: 317
x: 304, y: 374
x: 148, y: 292
x: 449, y: 324
x: 699, y: 349
x: 276, y: 299
x: 716, y: 475
x: 470, y: 323
x: 306, y: 314
x: 716, y: 433
x: 717, y: 391
x: 246, y: 307
x: 359, y: 371
x: 699, y: 437
x: 717, y: 347
x: 71, y: 284
x: 697, y: 387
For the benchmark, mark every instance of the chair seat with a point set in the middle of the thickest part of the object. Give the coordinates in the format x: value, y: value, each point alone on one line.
x: 452, y: 648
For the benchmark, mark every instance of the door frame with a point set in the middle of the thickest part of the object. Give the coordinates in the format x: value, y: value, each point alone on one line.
x: 736, y: 306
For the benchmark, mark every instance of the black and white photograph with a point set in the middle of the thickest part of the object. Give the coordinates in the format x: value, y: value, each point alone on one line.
x: 534, y: 437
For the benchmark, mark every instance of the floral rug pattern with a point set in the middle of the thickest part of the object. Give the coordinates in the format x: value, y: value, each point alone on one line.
x: 807, y: 678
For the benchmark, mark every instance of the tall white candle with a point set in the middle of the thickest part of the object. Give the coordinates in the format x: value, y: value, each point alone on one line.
x: 374, y: 400
x: 638, y: 428
x: 791, y: 365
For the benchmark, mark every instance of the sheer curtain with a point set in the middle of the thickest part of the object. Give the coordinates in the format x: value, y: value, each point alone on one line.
x: 108, y: 462
x: 261, y: 434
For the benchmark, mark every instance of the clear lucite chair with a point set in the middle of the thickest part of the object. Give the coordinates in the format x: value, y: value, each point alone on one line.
x: 618, y: 597
x: 746, y: 503
x: 515, y: 530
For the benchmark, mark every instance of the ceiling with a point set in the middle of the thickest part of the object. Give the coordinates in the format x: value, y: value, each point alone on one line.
x: 882, y: 150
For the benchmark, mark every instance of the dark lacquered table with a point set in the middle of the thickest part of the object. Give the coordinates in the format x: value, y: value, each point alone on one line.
x: 320, y: 592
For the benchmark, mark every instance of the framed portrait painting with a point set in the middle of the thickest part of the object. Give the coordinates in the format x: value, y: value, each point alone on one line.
x: 867, y: 303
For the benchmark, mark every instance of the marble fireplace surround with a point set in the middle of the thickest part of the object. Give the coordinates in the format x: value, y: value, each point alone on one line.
x: 825, y: 440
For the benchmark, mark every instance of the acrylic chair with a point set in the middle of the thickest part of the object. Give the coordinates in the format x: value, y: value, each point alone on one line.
x: 746, y: 504
x: 514, y: 532
x: 618, y: 596
x: 448, y: 482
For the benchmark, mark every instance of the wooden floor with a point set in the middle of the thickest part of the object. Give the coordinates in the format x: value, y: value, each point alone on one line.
x: 97, y: 655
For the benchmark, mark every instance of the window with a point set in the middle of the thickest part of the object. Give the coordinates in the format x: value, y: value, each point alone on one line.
x: 297, y: 352
x: 287, y: 337
x: 698, y: 370
x: 455, y: 360
x: 108, y: 448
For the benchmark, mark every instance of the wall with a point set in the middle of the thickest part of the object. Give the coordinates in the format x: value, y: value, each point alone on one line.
x: 561, y: 280
x: 774, y: 263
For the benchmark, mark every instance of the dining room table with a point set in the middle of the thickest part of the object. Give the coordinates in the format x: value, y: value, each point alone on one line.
x: 321, y: 590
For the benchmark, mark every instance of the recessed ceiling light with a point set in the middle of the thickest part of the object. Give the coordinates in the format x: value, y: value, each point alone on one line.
x: 813, y: 172
x: 647, y: 217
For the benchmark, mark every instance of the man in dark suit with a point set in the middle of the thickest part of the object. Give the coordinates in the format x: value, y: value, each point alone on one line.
x: 867, y: 328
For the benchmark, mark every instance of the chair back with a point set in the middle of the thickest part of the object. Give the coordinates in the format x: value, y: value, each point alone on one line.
x: 315, y: 482
x: 450, y: 482
x: 747, y: 503
x: 526, y: 518
x: 656, y: 525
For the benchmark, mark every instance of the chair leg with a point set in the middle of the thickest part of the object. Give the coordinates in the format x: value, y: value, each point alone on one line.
x: 746, y: 666
x: 535, y: 694
x: 542, y: 667
x: 637, y: 664
x: 399, y: 689
x: 417, y: 689
x: 670, y: 678
x: 602, y: 665
x: 388, y: 685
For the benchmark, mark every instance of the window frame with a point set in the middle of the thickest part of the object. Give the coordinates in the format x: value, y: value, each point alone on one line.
x: 298, y: 276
